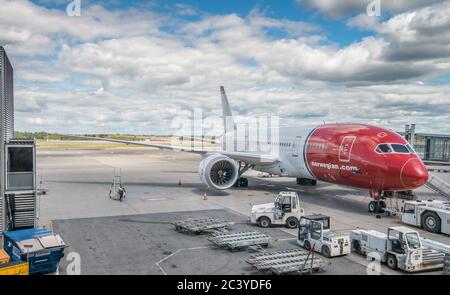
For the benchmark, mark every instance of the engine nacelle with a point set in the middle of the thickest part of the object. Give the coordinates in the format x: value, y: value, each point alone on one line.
x: 218, y: 171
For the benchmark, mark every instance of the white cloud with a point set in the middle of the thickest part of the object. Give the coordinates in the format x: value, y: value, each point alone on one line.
x: 363, y: 22
x: 184, y: 9
x: 341, y: 8
x: 119, y: 71
x: 420, y: 35
x: 391, y: 106
x: 27, y: 25
x: 33, y: 76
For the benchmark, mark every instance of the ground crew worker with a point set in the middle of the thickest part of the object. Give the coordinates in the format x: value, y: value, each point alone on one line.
x: 121, y: 192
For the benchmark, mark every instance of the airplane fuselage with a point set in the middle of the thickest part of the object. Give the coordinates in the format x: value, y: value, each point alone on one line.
x: 355, y: 155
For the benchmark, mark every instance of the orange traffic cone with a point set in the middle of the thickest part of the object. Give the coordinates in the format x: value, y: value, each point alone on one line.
x: 205, y: 197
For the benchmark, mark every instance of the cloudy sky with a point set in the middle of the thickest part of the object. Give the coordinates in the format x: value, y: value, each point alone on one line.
x: 133, y: 66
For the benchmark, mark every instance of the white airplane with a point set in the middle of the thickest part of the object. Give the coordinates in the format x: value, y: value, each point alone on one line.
x: 355, y: 155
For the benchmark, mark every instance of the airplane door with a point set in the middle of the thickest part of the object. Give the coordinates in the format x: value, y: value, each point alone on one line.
x: 345, y: 150
x: 296, y: 146
x: 409, y: 214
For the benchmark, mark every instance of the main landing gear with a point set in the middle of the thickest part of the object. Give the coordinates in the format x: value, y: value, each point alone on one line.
x: 306, y: 181
x: 241, y: 182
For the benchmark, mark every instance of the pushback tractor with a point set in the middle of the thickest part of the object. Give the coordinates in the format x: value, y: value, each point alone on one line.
x: 314, y: 233
x: 401, y: 248
x: 432, y: 215
x: 285, y: 210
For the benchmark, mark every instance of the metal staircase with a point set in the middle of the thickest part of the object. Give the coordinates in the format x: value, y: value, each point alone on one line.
x: 21, y: 211
x: 439, y: 186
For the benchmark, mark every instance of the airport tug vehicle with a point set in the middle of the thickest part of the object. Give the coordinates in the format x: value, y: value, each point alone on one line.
x: 285, y: 210
x: 314, y: 232
x: 401, y: 248
x: 432, y: 215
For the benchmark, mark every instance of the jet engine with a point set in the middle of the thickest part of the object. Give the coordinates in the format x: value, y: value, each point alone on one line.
x: 218, y: 171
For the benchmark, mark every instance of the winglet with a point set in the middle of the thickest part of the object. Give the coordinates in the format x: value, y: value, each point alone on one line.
x: 228, y: 121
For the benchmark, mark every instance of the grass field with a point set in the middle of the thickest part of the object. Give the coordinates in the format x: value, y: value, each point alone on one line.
x: 71, y: 144
x: 87, y: 144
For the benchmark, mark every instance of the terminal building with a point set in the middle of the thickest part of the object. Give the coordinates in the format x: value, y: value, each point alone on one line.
x: 432, y: 148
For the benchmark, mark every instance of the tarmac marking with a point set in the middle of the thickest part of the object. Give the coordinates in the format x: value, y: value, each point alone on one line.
x: 131, y: 207
x: 157, y: 199
x: 158, y: 264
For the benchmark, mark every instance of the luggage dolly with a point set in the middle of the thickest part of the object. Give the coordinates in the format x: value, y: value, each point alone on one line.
x: 200, y: 225
x: 236, y: 241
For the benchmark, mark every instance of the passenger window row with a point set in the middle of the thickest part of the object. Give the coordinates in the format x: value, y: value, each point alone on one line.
x: 318, y: 146
x: 283, y: 144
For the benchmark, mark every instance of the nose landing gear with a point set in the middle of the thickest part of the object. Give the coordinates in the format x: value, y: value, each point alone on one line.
x: 377, y: 206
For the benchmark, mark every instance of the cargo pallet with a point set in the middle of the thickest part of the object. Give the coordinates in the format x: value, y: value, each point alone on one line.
x: 200, y: 225
x: 240, y: 240
x: 297, y: 261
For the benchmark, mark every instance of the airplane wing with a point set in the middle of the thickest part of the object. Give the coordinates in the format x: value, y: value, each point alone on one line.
x: 251, y: 158
x: 247, y: 157
x: 201, y: 139
x: 142, y: 143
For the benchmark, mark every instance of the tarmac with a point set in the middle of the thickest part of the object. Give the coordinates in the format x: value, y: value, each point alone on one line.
x: 148, y: 244
x: 135, y: 236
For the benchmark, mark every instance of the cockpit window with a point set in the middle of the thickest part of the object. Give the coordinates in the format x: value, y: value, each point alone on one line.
x: 400, y: 148
x: 386, y: 148
x: 410, y: 149
x: 383, y: 149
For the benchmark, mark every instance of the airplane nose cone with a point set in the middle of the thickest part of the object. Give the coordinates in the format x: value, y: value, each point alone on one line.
x: 414, y: 174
